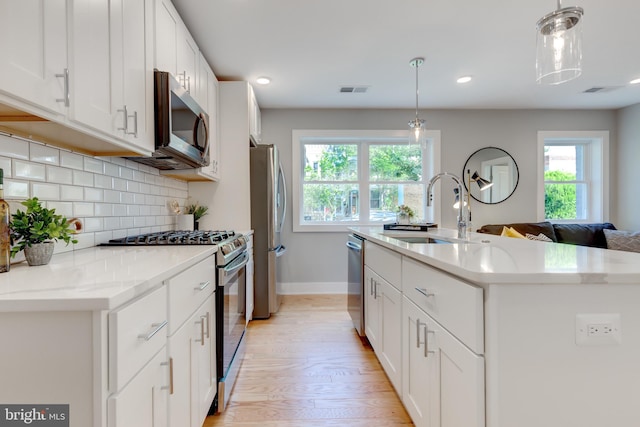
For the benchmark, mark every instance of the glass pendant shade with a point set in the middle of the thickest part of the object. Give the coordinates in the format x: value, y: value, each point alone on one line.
x: 417, y: 132
x: 559, y: 46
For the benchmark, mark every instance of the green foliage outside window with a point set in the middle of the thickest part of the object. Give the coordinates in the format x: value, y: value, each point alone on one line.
x: 559, y: 199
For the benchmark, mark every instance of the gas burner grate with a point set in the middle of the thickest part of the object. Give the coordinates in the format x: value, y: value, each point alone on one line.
x: 198, y: 237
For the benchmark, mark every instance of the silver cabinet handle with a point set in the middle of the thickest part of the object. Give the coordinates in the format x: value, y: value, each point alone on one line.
x: 426, y: 340
x: 201, y: 322
x: 135, y: 125
x: 425, y: 292
x: 418, y: 323
x: 370, y: 285
x: 125, y: 127
x: 64, y: 75
x: 202, y: 286
x: 375, y: 289
x: 208, y: 322
x: 156, y: 328
x: 170, y: 387
x: 186, y: 81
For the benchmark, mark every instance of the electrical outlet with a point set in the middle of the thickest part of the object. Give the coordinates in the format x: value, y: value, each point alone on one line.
x: 598, y: 329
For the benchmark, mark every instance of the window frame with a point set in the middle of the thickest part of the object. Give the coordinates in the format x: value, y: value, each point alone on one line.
x: 596, y: 172
x: 430, y: 166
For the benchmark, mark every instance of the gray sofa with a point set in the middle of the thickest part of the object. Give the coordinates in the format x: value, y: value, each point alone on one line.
x: 573, y: 234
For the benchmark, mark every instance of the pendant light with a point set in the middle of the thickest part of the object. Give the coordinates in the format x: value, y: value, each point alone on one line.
x: 559, y: 45
x: 417, y: 127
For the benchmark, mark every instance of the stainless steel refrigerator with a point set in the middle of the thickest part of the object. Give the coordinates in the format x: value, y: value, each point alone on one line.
x: 268, y: 206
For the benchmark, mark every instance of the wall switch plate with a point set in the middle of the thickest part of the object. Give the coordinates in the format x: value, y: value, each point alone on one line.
x: 598, y: 329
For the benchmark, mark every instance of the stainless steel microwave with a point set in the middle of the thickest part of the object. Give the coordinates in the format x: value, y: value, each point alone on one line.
x: 181, y: 127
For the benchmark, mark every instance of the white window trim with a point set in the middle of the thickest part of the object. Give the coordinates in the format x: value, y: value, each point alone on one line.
x: 298, y: 137
x: 599, y: 172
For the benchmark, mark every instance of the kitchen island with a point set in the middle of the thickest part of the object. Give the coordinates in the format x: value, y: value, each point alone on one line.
x: 94, y: 329
x: 500, y: 332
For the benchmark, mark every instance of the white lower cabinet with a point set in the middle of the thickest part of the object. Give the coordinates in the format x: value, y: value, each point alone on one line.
x: 443, y: 381
x: 383, y: 316
x: 142, y: 402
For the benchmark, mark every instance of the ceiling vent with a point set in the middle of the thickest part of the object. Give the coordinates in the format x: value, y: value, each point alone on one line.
x: 602, y: 89
x: 354, y: 89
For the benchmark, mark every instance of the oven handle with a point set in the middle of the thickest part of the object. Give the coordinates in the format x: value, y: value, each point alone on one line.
x: 237, y: 263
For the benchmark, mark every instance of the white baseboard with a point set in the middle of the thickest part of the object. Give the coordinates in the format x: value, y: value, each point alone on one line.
x: 305, y: 288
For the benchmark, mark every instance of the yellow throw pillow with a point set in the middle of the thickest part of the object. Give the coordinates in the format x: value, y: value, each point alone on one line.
x: 511, y: 232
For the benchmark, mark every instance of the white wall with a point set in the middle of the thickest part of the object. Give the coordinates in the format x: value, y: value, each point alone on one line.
x: 627, y: 157
x: 112, y: 196
x: 318, y: 260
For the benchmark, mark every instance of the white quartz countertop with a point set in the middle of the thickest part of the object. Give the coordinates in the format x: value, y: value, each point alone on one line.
x: 486, y: 259
x: 97, y: 278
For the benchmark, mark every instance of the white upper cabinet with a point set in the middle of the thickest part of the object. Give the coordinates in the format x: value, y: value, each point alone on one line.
x: 33, y: 42
x: 255, y: 119
x: 90, y: 65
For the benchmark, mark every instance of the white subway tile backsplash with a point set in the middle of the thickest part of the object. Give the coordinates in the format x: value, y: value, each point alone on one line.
x: 93, y: 194
x: 59, y: 175
x: 71, y: 160
x: 14, y: 148
x: 69, y: 192
x: 126, y: 222
x: 93, y: 165
x: 28, y: 170
x: 44, y: 191
x: 5, y: 165
x: 103, y: 181
x: 120, y: 210
x: 111, y: 196
x: 119, y: 184
x: 103, y: 209
x: 62, y: 208
x: 44, y: 154
x: 93, y: 224
x: 16, y: 189
x: 126, y: 173
x: 114, y: 197
x: 111, y: 169
x: 83, y: 209
x: 83, y: 178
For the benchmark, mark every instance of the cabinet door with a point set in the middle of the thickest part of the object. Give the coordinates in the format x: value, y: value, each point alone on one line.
x: 143, y: 402
x: 390, y: 300
x: 255, y: 119
x: 458, y: 396
x: 372, y: 310
x: 166, y: 29
x: 90, y: 65
x: 203, y: 375
x: 214, y: 124
x: 417, y: 372
x: 180, y: 359
x: 187, y: 60
x: 33, y: 42
x: 136, y: 89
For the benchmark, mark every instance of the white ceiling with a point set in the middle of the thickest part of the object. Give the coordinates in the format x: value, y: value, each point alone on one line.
x: 309, y: 48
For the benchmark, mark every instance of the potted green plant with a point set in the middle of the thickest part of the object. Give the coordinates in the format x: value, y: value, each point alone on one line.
x: 404, y: 214
x: 198, y: 211
x: 36, y: 230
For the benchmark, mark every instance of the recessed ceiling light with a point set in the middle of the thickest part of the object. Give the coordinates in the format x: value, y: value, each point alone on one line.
x: 634, y: 82
x: 263, y: 80
x: 464, y: 79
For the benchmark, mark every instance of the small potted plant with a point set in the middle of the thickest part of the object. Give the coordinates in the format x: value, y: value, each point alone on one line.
x: 36, y: 231
x: 196, y: 210
x: 404, y: 214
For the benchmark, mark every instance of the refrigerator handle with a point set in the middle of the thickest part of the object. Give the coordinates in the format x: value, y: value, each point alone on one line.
x: 284, y: 197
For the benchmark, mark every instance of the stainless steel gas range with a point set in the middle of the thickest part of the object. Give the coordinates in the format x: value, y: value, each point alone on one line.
x: 231, y: 259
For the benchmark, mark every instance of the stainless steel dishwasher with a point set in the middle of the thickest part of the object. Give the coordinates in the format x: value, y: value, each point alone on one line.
x: 355, y: 288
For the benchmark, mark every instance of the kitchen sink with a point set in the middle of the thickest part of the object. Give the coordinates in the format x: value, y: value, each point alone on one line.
x: 419, y: 239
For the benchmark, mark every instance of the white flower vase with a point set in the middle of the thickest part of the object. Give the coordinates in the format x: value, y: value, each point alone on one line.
x: 184, y: 222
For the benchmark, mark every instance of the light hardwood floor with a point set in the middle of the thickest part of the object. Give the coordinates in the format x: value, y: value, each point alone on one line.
x: 306, y: 366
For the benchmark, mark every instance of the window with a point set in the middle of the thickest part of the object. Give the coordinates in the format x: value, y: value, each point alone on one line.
x: 347, y: 178
x: 573, y: 172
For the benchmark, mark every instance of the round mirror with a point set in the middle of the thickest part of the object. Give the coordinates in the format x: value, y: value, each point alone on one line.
x: 490, y: 175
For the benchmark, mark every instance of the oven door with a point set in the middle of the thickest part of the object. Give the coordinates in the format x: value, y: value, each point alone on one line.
x: 230, y: 311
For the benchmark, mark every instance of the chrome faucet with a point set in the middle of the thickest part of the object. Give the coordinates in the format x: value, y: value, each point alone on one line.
x: 462, y: 218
